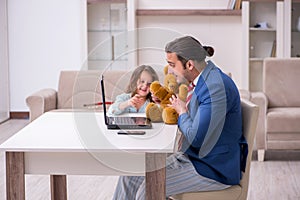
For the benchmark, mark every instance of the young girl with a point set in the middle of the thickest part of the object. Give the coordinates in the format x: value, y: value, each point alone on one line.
x: 137, y: 94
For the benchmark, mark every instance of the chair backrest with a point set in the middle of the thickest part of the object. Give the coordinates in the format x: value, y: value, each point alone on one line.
x: 250, y: 117
x: 237, y: 192
x: 281, y: 81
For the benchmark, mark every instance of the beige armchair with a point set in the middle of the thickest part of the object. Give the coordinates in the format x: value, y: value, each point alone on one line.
x: 237, y: 192
x: 75, y: 89
x: 279, y: 116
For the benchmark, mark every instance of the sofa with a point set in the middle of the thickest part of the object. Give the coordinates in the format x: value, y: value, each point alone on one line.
x: 77, y: 90
x: 278, y: 126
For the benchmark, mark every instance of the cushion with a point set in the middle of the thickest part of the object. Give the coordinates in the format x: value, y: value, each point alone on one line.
x: 283, y: 119
x: 281, y: 81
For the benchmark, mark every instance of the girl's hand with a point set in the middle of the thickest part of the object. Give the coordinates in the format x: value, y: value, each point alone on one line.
x: 135, y: 101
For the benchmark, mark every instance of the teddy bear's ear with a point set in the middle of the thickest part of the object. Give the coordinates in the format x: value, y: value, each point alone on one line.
x: 166, y: 69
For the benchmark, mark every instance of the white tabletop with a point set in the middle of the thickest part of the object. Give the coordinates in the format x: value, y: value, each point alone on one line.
x: 78, y: 143
x: 86, y: 131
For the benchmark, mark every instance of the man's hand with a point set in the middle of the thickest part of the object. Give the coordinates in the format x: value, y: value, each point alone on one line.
x: 178, y: 105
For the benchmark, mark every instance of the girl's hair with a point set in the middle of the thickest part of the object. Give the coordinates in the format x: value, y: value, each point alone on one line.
x: 136, y: 74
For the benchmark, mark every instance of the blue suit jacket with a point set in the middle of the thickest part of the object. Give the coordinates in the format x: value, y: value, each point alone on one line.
x: 213, y: 128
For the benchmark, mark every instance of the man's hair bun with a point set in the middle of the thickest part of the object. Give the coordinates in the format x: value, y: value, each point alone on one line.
x: 210, y: 51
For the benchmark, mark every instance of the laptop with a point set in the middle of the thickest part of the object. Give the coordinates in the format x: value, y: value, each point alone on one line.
x: 126, y: 122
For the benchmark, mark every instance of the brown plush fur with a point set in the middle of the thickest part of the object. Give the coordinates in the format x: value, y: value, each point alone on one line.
x: 162, y: 112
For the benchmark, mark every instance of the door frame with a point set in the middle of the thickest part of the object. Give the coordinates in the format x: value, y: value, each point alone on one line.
x: 4, y: 63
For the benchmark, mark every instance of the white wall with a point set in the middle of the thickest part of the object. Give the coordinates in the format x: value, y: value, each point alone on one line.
x: 45, y: 37
x: 224, y: 33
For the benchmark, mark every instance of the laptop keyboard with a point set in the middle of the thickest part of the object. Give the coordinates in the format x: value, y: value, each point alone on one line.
x: 123, y: 120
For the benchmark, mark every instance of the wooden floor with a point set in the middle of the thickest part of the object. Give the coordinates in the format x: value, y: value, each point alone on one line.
x: 268, y: 180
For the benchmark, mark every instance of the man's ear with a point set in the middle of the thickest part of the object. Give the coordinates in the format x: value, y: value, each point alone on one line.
x: 190, y: 64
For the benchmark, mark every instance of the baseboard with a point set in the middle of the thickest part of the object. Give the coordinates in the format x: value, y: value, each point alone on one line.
x: 279, y: 155
x: 19, y: 115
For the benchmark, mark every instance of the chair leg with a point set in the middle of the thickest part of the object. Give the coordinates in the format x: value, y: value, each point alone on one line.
x: 261, y: 155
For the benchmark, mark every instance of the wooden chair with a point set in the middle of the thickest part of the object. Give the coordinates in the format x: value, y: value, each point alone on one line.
x: 250, y: 116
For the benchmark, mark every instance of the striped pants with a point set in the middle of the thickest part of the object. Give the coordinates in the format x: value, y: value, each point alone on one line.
x: 181, y: 176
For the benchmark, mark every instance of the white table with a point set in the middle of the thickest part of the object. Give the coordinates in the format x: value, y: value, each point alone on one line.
x: 78, y: 143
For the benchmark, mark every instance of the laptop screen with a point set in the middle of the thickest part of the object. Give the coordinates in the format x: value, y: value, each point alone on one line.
x: 103, y: 100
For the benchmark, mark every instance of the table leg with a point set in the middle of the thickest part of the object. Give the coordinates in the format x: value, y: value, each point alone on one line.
x: 155, y: 176
x: 58, y: 184
x: 15, y: 176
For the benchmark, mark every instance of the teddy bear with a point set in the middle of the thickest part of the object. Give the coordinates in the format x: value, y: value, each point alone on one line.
x: 162, y: 112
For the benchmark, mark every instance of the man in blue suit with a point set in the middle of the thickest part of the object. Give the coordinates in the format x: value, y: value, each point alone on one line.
x: 213, y: 150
